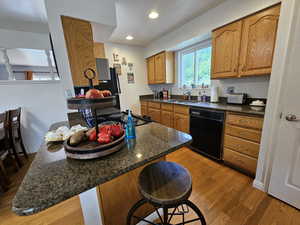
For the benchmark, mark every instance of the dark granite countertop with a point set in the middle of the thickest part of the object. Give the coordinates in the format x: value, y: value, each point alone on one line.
x: 216, y: 106
x: 53, y: 178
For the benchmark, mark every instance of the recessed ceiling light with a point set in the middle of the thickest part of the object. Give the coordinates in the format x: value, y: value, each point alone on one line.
x: 153, y: 15
x: 129, y: 37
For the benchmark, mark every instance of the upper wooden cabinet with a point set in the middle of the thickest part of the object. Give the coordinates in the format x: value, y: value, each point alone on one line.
x: 99, y: 51
x: 245, y: 47
x: 161, y: 68
x: 226, y: 48
x: 151, y: 70
x: 80, y: 46
x: 258, y: 42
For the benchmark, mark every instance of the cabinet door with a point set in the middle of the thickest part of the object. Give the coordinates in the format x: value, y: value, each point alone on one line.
x: 225, y: 50
x: 80, y: 46
x: 167, y: 118
x: 160, y: 68
x: 154, y: 114
x: 151, y: 70
x: 258, y: 42
x: 182, y: 122
x: 144, y: 110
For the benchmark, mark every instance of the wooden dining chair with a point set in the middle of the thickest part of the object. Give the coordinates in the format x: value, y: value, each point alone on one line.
x: 14, y: 123
x: 5, y: 151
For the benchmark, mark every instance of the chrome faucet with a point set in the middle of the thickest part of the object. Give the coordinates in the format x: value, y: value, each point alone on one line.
x: 188, y: 94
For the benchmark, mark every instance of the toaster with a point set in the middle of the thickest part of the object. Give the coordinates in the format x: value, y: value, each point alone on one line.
x: 237, y: 98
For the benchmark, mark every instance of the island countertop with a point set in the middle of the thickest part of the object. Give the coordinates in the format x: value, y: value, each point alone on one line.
x: 53, y: 178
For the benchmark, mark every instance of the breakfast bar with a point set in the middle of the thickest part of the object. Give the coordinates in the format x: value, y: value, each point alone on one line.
x: 53, y: 178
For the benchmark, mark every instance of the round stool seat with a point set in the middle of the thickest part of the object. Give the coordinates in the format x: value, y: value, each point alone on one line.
x: 165, y: 183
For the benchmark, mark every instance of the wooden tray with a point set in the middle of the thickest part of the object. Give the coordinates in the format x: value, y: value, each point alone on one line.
x: 92, y: 149
x: 92, y: 103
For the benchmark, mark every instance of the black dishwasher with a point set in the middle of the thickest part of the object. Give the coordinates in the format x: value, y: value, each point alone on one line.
x: 206, y: 128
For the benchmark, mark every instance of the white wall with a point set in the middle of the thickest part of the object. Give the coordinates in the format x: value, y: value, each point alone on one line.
x: 42, y: 104
x: 130, y: 92
x: 98, y: 11
x: 19, y: 39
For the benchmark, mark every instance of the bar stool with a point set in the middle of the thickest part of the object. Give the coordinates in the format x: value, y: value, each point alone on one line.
x: 166, y: 185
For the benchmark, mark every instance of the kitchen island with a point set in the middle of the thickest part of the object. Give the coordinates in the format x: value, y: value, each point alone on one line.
x: 53, y: 178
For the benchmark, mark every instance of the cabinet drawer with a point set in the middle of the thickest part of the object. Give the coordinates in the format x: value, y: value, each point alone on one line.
x: 154, y: 105
x: 144, y: 103
x: 181, y: 109
x: 240, y: 145
x: 245, y: 121
x: 167, y: 107
x: 252, y: 135
x: 154, y: 114
x: 241, y: 161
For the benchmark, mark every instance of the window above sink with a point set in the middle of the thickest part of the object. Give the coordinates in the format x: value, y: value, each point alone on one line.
x: 194, y: 65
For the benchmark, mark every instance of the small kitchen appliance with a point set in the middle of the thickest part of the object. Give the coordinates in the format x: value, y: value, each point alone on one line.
x: 237, y: 98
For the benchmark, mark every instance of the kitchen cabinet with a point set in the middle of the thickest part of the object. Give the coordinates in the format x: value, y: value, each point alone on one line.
x: 167, y: 114
x: 154, y: 114
x: 80, y: 47
x: 182, y: 118
x: 242, y: 141
x: 258, y: 42
x: 99, y: 51
x: 151, y: 70
x: 182, y: 122
x: 245, y: 47
x: 144, y: 108
x: 225, y: 50
x: 160, y: 68
x: 167, y: 118
x: 170, y: 115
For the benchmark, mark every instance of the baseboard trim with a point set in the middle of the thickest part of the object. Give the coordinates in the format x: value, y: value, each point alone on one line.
x: 259, y: 185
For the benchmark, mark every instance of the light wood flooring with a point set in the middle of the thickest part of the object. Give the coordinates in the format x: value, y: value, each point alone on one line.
x: 225, y: 196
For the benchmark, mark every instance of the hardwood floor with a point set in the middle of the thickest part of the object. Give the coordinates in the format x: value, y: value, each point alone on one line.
x: 225, y: 196
x: 65, y: 213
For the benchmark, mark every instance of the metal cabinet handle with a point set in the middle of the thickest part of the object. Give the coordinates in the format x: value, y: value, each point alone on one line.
x: 292, y: 118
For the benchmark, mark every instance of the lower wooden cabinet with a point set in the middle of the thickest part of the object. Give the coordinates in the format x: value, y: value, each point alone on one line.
x: 144, y: 111
x: 170, y: 115
x: 242, y: 141
x: 154, y: 114
x: 240, y: 145
x: 167, y: 118
x: 242, y: 161
x: 182, y: 122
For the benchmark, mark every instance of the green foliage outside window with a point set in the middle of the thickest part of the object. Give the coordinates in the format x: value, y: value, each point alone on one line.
x: 195, y: 67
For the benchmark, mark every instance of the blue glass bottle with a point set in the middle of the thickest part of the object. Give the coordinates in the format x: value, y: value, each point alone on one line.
x: 130, y: 127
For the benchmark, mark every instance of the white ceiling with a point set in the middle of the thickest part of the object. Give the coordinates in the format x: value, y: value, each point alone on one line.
x: 23, y: 15
x: 132, y: 17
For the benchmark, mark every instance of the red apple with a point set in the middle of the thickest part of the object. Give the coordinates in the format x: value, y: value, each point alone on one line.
x: 94, y: 93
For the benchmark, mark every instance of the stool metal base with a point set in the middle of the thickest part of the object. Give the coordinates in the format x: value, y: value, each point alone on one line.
x: 180, y: 210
